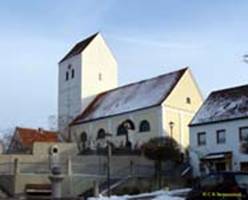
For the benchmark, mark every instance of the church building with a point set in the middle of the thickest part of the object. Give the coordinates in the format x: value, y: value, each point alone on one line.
x: 92, y: 107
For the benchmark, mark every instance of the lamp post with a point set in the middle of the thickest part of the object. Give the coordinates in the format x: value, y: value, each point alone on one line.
x: 171, y: 125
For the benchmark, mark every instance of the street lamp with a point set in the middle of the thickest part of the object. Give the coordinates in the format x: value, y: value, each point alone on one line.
x: 171, y: 125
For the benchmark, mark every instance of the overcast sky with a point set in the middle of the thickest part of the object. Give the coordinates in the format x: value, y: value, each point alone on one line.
x: 148, y: 38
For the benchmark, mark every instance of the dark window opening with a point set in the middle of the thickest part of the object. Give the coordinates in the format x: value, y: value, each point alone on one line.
x: 221, y: 136
x: 128, y: 124
x: 67, y: 76
x: 201, y: 138
x: 144, y: 126
x: 244, y: 166
x: 101, y: 134
x: 72, y: 73
x: 125, y: 126
x: 121, y: 130
x: 188, y: 100
x: 220, y: 166
x: 243, y: 134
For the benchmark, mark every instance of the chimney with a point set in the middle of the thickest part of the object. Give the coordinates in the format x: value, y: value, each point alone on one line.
x: 40, y: 130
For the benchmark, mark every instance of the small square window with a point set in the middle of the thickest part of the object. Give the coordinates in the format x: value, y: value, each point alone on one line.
x: 201, y: 138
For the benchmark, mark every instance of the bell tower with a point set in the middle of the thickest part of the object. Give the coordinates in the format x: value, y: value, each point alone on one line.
x: 88, y: 69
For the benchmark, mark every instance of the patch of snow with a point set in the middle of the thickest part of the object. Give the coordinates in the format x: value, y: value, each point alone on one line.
x: 157, y: 195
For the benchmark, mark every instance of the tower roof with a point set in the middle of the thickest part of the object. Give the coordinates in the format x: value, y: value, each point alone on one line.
x: 79, y: 47
x: 132, y: 97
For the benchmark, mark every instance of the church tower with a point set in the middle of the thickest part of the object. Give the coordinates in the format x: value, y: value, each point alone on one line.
x: 87, y: 69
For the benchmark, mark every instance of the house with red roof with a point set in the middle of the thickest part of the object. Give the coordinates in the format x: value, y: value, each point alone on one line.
x: 23, y: 139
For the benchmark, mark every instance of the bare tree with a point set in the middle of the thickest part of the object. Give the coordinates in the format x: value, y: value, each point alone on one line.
x: 245, y: 58
x: 6, y: 137
x: 52, y: 122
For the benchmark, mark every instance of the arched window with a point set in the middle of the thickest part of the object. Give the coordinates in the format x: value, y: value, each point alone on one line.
x: 129, y: 124
x: 144, y: 126
x: 125, y: 126
x: 101, y: 134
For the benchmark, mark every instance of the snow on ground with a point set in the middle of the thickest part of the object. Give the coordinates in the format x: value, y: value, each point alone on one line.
x: 157, y: 195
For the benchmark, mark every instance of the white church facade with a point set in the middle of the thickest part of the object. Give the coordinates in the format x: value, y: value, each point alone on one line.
x: 89, y: 98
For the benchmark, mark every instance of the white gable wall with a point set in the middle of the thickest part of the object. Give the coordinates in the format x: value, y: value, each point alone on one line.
x: 232, y: 142
x: 177, y: 110
x: 98, y: 61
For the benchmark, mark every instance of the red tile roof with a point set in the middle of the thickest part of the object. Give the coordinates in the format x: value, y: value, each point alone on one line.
x: 28, y: 136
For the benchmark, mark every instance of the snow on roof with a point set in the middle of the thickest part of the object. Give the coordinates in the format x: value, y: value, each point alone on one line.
x: 131, y: 97
x: 227, y: 104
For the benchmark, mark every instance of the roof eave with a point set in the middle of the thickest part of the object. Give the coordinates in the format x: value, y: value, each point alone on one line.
x: 218, y: 121
x: 99, y: 118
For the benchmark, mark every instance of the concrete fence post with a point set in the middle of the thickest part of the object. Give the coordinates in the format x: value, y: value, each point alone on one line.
x: 69, y: 166
x: 16, y: 166
x: 69, y: 173
x: 96, y: 188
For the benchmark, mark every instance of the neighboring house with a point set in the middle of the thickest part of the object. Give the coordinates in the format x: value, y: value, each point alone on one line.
x: 24, y: 138
x: 156, y: 107
x: 219, y: 132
